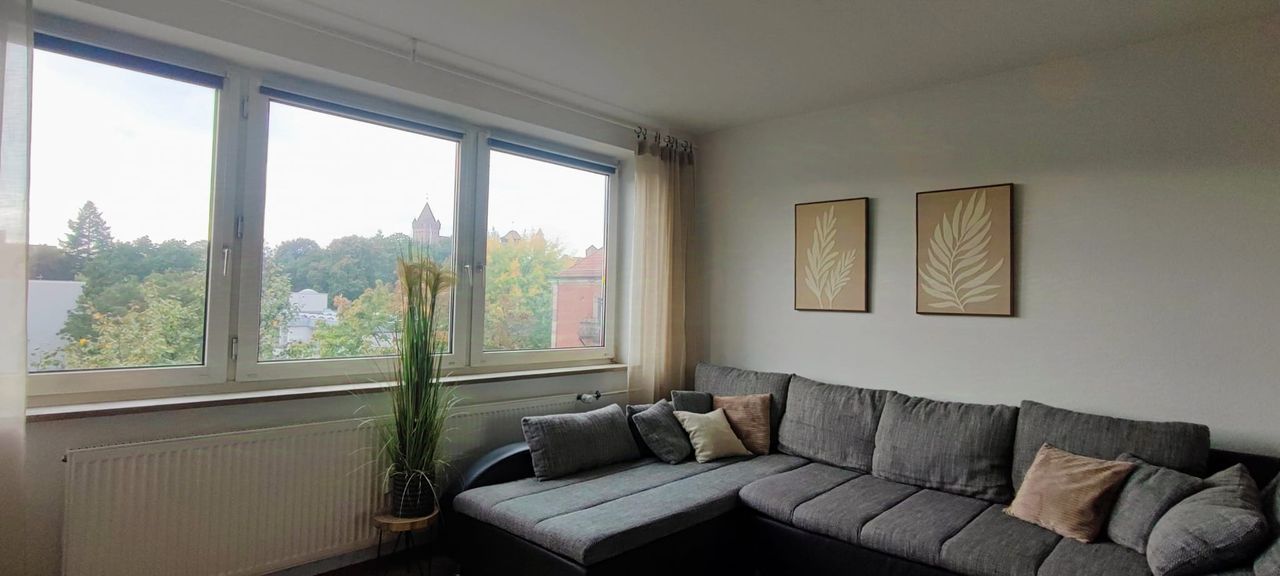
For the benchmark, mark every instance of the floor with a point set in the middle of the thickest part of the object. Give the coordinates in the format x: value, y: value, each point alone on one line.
x: 398, y: 565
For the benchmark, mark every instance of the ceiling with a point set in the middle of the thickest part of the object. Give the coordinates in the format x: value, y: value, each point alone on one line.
x: 704, y: 65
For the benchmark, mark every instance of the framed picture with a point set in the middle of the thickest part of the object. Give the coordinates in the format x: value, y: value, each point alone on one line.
x: 964, y: 251
x: 831, y: 256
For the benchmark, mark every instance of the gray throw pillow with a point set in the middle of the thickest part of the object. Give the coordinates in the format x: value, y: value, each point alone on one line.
x: 691, y: 401
x: 964, y: 449
x: 1268, y: 564
x: 1149, y: 492
x: 632, y: 410
x: 662, y: 433
x: 562, y: 444
x: 1216, y: 528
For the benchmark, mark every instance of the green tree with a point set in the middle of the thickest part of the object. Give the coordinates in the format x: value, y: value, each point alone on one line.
x: 88, y: 235
x: 366, y: 326
x: 164, y: 327
x: 46, y: 262
x: 518, y: 290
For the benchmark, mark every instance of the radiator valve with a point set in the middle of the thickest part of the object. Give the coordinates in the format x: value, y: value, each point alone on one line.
x: 589, y: 398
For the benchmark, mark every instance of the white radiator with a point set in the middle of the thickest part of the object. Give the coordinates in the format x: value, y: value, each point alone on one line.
x: 250, y: 502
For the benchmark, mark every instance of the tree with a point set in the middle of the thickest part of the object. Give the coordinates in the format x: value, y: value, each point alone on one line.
x: 49, y: 263
x: 164, y: 327
x: 518, y: 290
x: 366, y: 326
x: 276, y: 312
x: 88, y: 235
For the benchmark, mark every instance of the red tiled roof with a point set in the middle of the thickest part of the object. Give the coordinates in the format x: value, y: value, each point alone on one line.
x: 589, y: 266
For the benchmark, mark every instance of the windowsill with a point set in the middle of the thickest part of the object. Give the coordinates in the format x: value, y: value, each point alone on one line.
x: 89, y: 410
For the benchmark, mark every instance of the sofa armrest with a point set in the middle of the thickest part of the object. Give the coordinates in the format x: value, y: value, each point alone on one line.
x: 502, y: 464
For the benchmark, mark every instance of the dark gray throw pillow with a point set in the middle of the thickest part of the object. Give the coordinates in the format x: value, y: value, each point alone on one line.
x: 562, y: 444
x: 1216, y: 528
x: 1268, y: 563
x: 955, y: 447
x: 691, y: 401
x: 632, y: 410
x: 1147, y: 495
x: 662, y: 433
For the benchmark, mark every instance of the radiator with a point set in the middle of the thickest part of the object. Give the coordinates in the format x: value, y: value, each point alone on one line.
x: 250, y: 502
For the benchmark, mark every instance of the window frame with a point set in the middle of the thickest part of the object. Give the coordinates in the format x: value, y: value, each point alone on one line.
x: 144, y: 57
x: 237, y: 202
x: 554, y: 154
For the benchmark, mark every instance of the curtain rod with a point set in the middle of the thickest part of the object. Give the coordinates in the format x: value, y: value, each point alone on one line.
x: 414, y: 57
x: 642, y: 133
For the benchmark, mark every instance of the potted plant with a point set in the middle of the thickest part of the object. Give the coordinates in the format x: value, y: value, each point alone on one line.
x: 412, y: 435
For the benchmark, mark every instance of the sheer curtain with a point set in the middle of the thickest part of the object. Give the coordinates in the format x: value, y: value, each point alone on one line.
x: 15, y: 101
x: 663, y: 208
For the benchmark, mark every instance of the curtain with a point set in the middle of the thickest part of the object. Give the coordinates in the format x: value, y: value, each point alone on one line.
x: 663, y: 209
x: 15, y: 100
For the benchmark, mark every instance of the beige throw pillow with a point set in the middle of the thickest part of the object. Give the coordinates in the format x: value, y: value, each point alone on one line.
x: 711, y: 435
x: 749, y: 417
x: 1069, y: 494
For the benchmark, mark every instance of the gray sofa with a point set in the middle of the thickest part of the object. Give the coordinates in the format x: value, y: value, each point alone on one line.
x: 861, y: 482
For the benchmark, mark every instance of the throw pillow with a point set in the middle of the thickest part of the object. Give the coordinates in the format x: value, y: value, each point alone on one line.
x: 1147, y: 495
x: 1069, y: 494
x: 1268, y: 564
x: 632, y: 410
x: 690, y: 401
x: 662, y: 433
x: 749, y: 417
x: 1216, y: 528
x: 562, y: 444
x: 711, y: 435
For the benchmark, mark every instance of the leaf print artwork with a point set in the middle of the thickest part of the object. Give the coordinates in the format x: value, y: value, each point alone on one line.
x: 827, y: 270
x: 959, y: 271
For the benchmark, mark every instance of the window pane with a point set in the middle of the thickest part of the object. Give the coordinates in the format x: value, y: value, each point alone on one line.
x: 545, y: 263
x: 121, y: 173
x: 345, y: 198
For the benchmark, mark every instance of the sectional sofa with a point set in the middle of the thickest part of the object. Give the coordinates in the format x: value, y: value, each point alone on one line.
x: 943, y: 472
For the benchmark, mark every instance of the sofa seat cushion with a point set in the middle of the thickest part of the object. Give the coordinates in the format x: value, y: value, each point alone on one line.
x: 842, y: 511
x: 778, y: 496
x: 917, y: 527
x: 593, y: 516
x: 996, y: 544
x: 1072, y: 558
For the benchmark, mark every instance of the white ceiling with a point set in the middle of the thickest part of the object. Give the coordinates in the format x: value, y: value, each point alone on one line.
x: 704, y: 65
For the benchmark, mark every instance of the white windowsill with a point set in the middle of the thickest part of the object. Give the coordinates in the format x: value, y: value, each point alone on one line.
x: 87, y: 410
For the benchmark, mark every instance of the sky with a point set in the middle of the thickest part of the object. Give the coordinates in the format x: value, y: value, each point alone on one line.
x: 141, y: 148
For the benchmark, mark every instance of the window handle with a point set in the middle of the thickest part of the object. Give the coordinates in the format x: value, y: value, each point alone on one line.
x: 226, y: 259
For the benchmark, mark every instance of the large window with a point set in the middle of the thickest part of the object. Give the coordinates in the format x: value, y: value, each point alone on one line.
x: 121, y: 174
x: 194, y: 223
x: 545, y: 255
x: 344, y: 199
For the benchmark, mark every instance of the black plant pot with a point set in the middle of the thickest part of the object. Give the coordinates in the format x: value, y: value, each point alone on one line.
x: 411, y: 496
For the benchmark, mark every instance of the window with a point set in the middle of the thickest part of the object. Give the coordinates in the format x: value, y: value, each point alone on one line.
x: 545, y: 254
x: 344, y: 199
x: 191, y: 228
x: 121, y: 176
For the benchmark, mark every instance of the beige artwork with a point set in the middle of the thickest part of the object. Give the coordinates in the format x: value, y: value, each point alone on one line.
x: 831, y: 256
x: 964, y: 251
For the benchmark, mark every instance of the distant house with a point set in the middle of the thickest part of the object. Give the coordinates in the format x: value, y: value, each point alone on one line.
x: 310, y: 310
x: 49, y: 302
x: 578, y: 302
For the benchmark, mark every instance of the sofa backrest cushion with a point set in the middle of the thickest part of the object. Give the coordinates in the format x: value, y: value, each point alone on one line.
x: 1148, y: 493
x: 831, y: 424
x: 1178, y: 445
x: 562, y: 444
x: 955, y: 447
x: 726, y: 381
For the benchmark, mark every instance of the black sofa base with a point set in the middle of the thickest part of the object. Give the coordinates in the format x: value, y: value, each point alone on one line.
x: 784, y: 550
x: 712, y: 547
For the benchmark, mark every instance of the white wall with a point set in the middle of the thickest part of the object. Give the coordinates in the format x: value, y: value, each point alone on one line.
x: 1148, y: 184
